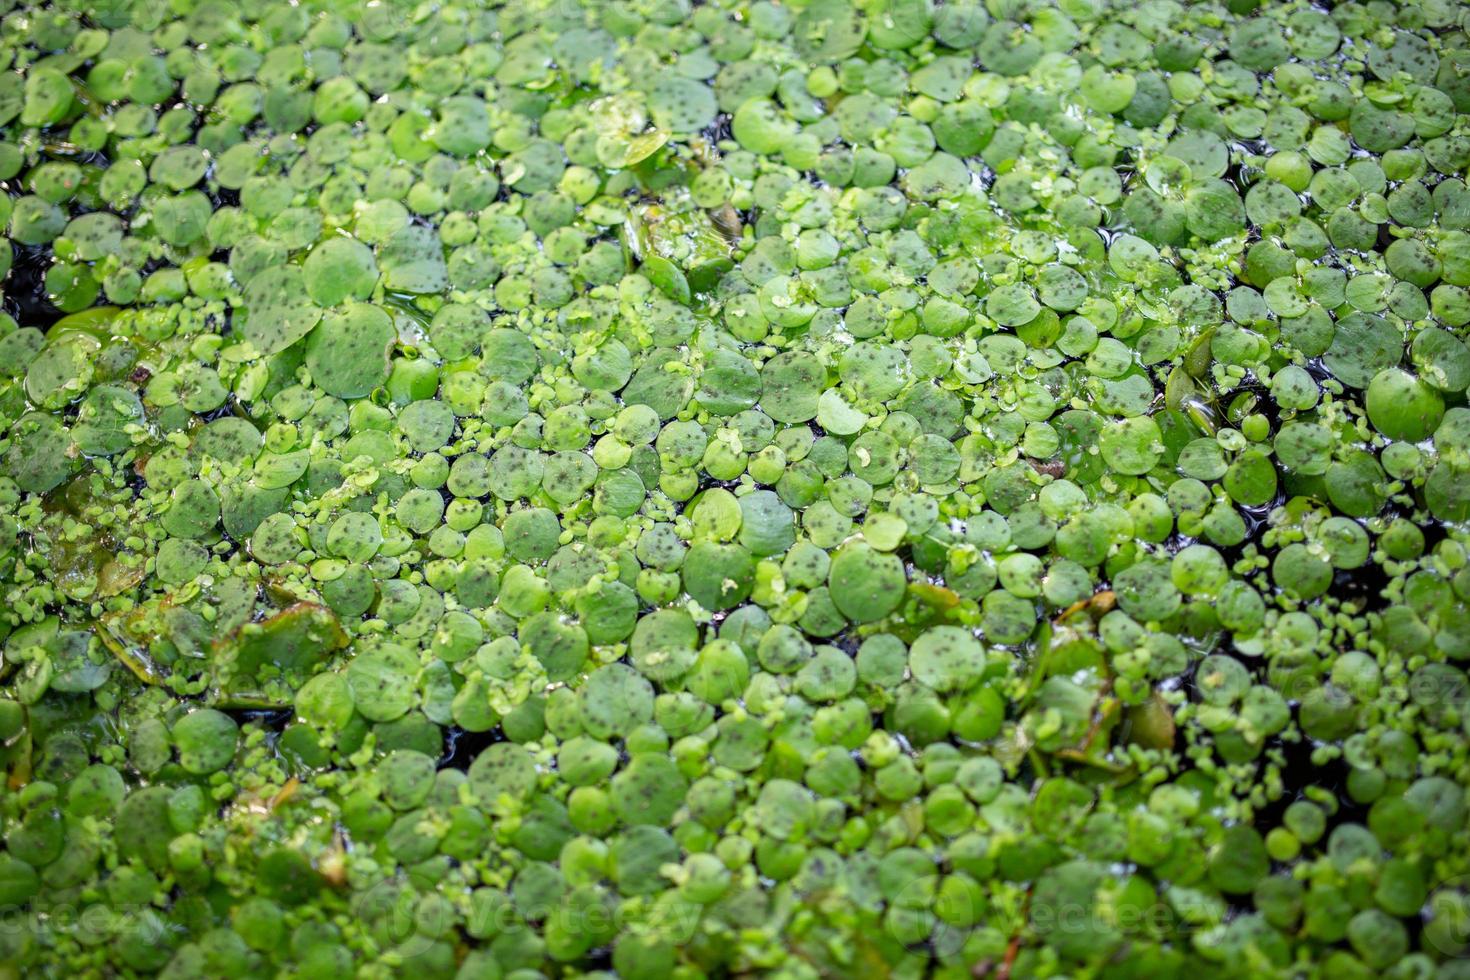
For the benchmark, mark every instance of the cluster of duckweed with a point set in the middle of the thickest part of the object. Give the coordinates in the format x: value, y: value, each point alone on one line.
x: 848, y: 488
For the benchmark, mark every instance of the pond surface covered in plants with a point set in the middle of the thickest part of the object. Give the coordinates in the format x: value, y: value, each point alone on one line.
x: 663, y: 490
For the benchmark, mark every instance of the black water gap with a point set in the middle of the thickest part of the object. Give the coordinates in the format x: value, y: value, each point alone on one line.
x: 462, y: 746
x: 25, y: 288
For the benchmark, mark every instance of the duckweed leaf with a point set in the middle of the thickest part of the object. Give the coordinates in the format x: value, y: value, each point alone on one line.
x: 412, y: 261
x: 339, y: 268
x: 278, y: 311
x: 347, y: 353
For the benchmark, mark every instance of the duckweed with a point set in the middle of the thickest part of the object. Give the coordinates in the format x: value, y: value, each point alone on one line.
x: 668, y: 490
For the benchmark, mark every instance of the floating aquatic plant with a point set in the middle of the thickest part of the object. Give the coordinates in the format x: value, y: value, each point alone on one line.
x: 667, y: 490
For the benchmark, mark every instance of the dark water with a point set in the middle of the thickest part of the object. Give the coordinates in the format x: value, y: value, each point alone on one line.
x: 461, y: 746
x: 25, y: 288
x: 271, y: 719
